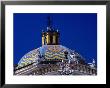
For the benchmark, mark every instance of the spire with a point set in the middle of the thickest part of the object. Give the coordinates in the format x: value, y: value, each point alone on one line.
x: 49, y: 23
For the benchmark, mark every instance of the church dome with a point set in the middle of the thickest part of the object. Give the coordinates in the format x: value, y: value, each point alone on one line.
x: 50, y: 53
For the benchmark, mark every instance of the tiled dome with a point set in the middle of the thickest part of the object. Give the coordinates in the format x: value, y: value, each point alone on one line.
x: 48, y: 52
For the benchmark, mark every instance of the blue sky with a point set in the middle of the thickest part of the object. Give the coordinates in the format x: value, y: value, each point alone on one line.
x: 78, y: 31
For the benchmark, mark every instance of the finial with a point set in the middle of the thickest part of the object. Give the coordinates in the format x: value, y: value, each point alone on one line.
x: 93, y: 61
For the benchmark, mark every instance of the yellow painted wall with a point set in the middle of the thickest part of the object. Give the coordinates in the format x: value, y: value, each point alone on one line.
x: 42, y: 40
x: 48, y: 38
x: 54, y: 39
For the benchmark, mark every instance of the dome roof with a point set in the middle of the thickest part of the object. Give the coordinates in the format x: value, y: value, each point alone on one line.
x: 48, y: 52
